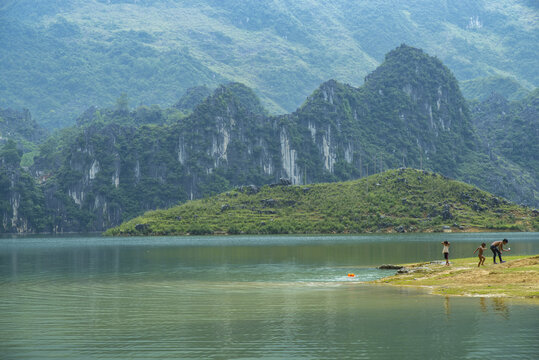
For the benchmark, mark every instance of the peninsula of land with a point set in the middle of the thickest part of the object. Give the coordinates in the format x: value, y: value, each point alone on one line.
x: 518, y: 277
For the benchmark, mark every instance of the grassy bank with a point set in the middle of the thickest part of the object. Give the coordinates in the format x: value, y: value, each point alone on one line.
x: 517, y: 277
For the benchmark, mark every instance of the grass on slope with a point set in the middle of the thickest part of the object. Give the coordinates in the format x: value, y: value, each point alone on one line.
x: 393, y: 201
x: 517, y: 277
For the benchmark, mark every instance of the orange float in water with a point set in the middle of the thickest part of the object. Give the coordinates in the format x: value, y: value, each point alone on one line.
x: 351, y: 275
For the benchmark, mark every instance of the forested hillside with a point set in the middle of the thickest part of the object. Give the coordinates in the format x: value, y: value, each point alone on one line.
x: 118, y: 162
x: 482, y: 88
x: 60, y: 57
x: 23, y: 130
x: 510, y: 129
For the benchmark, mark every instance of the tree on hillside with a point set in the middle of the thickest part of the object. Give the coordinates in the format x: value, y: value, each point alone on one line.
x: 122, y: 103
x: 10, y: 156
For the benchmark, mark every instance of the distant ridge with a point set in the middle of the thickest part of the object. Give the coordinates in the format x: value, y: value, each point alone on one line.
x: 60, y: 57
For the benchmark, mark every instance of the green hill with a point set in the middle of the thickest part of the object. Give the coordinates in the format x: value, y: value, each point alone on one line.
x: 403, y: 200
x: 60, y: 57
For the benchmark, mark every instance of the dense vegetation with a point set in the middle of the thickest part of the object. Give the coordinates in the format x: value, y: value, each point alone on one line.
x: 21, y: 200
x: 22, y: 129
x: 60, y: 57
x: 482, y: 88
x: 511, y: 129
x: 508, y: 133
x: 394, y: 201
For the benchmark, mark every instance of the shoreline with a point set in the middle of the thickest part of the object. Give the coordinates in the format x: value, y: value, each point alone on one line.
x: 471, y: 230
x: 468, y: 230
x: 518, y: 277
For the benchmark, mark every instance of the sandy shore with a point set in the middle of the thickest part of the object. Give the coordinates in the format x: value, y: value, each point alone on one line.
x: 517, y: 277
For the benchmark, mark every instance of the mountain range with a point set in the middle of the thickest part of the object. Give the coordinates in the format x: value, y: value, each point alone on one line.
x: 116, y: 163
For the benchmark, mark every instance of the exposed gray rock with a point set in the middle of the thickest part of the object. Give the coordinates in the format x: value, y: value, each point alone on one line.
x: 446, y: 212
x: 269, y: 202
x: 406, y: 270
x: 285, y: 182
x: 476, y: 207
x: 437, y: 262
x: 390, y: 267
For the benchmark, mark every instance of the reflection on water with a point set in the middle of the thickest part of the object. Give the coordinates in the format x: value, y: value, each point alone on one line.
x: 447, y: 306
x: 500, y: 307
x: 237, y: 298
x: 483, y: 304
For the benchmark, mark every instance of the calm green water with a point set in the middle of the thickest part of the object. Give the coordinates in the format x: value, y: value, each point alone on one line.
x: 248, y: 297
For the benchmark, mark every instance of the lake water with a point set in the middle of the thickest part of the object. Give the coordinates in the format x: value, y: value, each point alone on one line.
x: 272, y: 297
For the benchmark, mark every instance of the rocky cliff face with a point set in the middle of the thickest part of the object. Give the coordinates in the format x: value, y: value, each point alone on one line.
x: 13, y: 219
x: 21, y: 209
x: 409, y: 113
x: 117, y: 165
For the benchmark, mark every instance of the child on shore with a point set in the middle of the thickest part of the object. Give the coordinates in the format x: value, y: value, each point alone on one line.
x: 480, y: 254
x: 445, y: 251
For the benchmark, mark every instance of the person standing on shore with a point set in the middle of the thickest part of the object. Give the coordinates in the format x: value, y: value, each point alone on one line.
x: 480, y: 254
x: 445, y: 251
x: 497, y: 248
